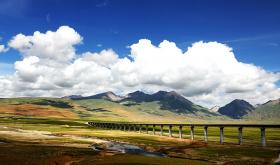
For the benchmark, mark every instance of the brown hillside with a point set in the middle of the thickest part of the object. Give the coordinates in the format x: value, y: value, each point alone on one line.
x: 37, y: 111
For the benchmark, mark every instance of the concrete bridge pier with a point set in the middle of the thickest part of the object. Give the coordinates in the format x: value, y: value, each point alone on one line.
x: 192, y: 133
x: 221, y: 135
x: 154, y: 131
x: 161, y: 130
x: 180, y: 131
x: 206, y: 134
x: 263, y: 139
x: 170, y: 130
x: 240, y: 136
x: 147, y: 128
x: 140, y: 127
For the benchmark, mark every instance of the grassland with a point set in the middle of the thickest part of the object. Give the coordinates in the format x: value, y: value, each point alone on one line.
x: 64, y: 137
x: 72, y: 133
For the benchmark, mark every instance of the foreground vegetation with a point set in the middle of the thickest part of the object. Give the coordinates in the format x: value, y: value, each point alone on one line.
x: 29, y: 135
x: 54, y: 131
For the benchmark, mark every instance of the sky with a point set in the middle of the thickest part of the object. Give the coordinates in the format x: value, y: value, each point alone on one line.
x: 210, y: 51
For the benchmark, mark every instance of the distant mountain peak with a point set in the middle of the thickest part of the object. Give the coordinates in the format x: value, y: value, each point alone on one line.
x: 161, y: 92
x: 239, y: 100
x: 164, y: 93
x: 173, y: 100
x: 173, y: 93
x: 170, y: 95
x: 136, y: 93
x: 138, y: 96
x: 273, y: 102
x: 73, y: 96
x: 110, y: 92
x: 236, y: 109
x: 111, y: 96
x: 215, y: 108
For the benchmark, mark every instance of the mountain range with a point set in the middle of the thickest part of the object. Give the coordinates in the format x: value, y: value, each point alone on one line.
x: 137, y: 106
x: 171, y: 101
x: 174, y: 102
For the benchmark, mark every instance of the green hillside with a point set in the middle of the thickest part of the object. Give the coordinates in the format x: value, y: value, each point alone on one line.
x: 267, y: 111
x: 125, y: 111
x: 99, y: 110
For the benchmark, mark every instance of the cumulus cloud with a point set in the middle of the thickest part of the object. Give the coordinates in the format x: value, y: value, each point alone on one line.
x: 207, y: 73
x: 56, y: 46
x: 3, y: 49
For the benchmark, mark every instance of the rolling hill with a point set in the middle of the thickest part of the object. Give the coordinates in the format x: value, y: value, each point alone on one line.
x: 267, y: 111
x: 135, y: 107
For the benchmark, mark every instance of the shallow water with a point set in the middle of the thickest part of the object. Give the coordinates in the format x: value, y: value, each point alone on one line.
x: 125, y: 149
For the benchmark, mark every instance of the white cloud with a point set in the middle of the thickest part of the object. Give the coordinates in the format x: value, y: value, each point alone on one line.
x: 3, y: 49
x: 104, y: 58
x: 207, y: 72
x: 56, y: 45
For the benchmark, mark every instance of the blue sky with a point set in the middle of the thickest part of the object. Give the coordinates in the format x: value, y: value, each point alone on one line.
x: 251, y: 28
x: 207, y: 72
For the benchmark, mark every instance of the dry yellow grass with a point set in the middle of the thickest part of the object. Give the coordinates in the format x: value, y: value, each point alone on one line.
x: 37, y: 111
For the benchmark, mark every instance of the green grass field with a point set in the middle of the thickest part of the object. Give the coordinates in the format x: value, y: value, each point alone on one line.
x: 33, y: 131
